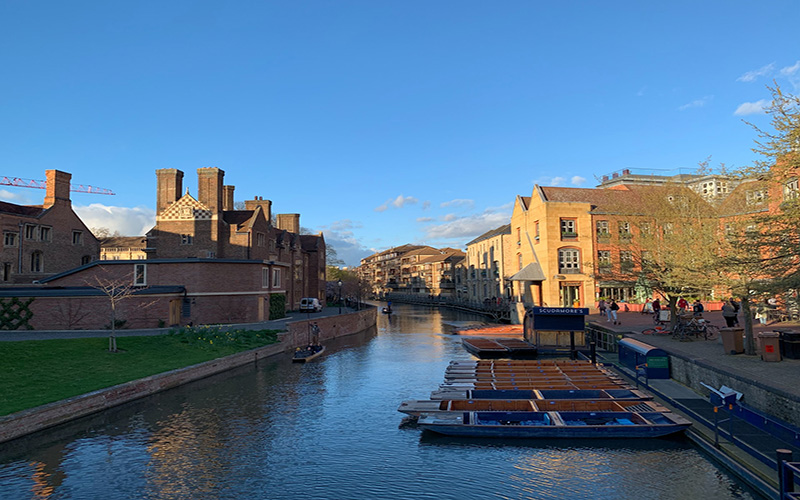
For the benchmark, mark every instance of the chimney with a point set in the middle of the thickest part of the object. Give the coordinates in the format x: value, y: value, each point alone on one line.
x: 227, y: 197
x: 266, y: 206
x: 169, y: 187
x: 626, y: 172
x: 289, y: 222
x: 614, y: 175
x: 209, y: 188
x: 605, y: 178
x: 57, y: 187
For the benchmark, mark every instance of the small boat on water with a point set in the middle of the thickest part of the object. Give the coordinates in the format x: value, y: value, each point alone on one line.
x: 514, y: 331
x: 419, y: 407
x: 553, y: 424
x: 305, y: 354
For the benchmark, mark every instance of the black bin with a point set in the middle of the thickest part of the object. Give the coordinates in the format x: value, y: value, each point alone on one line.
x: 790, y: 343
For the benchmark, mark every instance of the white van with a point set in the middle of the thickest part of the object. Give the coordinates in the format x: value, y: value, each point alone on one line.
x: 310, y: 304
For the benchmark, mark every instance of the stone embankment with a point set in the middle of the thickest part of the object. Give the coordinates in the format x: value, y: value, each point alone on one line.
x: 35, y: 419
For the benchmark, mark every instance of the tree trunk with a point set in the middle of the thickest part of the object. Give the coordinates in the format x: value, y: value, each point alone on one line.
x: 112, y: 339
x: 749, y: 340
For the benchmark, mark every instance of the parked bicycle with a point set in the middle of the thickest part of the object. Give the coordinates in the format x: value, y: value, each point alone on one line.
x: 687, y: 329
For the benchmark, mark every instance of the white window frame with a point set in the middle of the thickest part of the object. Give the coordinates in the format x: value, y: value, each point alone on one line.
x: 140, y: 274
x: 276, y: 278
x: 569, y: 261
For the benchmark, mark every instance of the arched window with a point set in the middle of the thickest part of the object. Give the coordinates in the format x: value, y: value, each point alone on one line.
x: 569, y: 261
x: 37, y: 262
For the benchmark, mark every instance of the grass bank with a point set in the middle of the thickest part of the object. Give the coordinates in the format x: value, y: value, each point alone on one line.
x: 37, y: 372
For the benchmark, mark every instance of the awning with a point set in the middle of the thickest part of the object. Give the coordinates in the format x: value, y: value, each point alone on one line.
x: 531, y: 272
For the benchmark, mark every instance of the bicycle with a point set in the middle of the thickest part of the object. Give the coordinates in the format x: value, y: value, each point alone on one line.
x: 695, y: 327
x: 656, y: 330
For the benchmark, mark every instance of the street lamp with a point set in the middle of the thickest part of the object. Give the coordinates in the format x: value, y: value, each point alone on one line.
x: 340, y: 295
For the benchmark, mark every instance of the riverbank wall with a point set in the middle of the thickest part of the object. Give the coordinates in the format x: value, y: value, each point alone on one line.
x: 42, y: 417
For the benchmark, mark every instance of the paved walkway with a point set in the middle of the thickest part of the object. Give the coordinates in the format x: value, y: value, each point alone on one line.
x: 278, y: 324
x: 752, y: 447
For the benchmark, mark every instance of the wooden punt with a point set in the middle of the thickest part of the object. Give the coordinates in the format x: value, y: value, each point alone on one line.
x: 572, y: 394
x: 417, y: 407
x: 306, y: 354
x: 553, y: 424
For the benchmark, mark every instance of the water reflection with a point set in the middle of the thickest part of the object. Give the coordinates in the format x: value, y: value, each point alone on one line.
x: 329, y: 430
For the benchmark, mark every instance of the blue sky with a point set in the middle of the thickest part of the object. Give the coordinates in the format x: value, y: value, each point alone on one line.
x: 380, y: 122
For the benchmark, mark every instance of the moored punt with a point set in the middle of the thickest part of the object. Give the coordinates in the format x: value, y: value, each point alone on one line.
x: 417, y: 407
x: 484, y: 348
x: 553, y: 424
x: 486, y: 330
x: 611, y: 394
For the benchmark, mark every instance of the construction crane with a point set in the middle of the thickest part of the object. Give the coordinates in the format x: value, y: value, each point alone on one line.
x: 30, y: 183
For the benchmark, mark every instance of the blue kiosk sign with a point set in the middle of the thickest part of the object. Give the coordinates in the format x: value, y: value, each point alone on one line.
x: 564, y: 319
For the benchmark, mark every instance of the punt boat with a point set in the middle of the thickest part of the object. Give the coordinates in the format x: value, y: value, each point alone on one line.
x: 553, y: 424
x: 306, y: 354
x: 418, y: 407
x: 603, y: 394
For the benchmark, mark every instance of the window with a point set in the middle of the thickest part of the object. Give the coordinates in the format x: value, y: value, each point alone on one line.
x: 646, y: 228
x: 755, y: 196
x: 85, y: 260
x: 140, y: 274
x: 37, y: 262
x: 626, y: 261
x: 604, y: 258
x: 77, y: 237
x: 569, y: 261
x: 519, y: 236
x: 30, y: 232
x: 569, y: 228
x: 187, y: 239
x: 10, y: 239
x: 519, y: 262
x: 276, y: 278
x: 602, y: 229
x: 264, y: 277
x: 6, y: 271
x: 625, y: 230
x: 261, y: 239
x: 791, y: 189
x: 45, y: 233
x: 536, y: 230
x: 645, y: 257
x: 667, y: 228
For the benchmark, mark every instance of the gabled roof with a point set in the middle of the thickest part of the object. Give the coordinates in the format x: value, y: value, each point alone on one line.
x: 311, y: 242
x: 237, y: 217
x: 531, y: 272
x: 621, y: 199
x: 425, y: 250
x: 736, y: 202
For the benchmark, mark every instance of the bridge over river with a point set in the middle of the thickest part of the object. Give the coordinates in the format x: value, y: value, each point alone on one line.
x: 329, y: 430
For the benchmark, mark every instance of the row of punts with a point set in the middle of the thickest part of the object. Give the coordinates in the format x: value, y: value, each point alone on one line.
x: 540, y: 399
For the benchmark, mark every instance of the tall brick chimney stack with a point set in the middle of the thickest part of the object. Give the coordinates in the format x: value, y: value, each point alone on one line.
x: 57, y: 188
x: 227, y: 197
x: 169, y: 187
x: 289, y: 222
x: 266, y: 206
x: 209, y: 187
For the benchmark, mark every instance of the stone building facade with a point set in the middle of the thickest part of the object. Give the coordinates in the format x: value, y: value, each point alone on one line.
x: 42, y: 240
x: 487, y: 266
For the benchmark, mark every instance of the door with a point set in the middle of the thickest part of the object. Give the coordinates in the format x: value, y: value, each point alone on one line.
x: 570, y: 295
x: 175, y: 311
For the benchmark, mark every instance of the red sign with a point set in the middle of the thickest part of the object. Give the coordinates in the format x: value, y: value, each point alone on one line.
x: 769, y: 348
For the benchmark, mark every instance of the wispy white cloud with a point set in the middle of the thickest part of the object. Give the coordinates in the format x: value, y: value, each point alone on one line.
x: 577, y: 180
x: 697, y: 103
x: 752, y: 76
x: 463, y: 229
x: 791, y: 70
x: 751, y: 108
x: 398, y: 202
x: 450, y: 217
x: 16, y: 197
x: 127, y: 221
x: 339, y: 234
x: 458, y: 203
x: 426, y: 205
x: 425, y: 219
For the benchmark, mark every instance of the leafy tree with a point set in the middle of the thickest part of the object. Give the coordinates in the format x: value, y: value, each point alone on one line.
x: 666, y: 241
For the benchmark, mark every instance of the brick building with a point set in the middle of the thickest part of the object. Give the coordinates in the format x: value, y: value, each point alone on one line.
x: 208, y: 227
x: 42, y: 240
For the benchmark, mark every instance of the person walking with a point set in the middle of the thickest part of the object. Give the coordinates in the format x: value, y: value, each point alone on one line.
x: 683, y: 305
x: 656, y: 309
x: 601, y: 306
x: 729, y: 313
x: 612, y: 311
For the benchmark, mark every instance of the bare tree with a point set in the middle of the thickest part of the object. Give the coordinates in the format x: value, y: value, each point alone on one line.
x: 116, y: 289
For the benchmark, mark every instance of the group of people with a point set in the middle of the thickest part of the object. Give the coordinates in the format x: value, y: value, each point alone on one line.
x: 609, y: 310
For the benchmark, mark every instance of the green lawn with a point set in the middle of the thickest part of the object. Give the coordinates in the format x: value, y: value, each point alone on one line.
x: 36, y: 372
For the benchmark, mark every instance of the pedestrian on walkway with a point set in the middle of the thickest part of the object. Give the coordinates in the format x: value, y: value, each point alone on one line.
x: 601, y: 306
x: 729, y: 313
x: 612, y: 311
x: 683, y: 305
x: 656, y: 309
x: 697, y: 308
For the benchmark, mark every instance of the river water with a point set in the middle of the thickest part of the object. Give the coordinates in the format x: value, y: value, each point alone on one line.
x: 330, y: 429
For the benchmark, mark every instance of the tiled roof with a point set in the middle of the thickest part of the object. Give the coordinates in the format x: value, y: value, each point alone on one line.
x: 237, y: 217
x: 506, y: 229
x: 123, y: 242
x: 736, y: 202
x: 24, y: 210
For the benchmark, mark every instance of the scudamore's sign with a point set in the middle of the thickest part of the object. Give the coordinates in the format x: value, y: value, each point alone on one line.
x: 565, y: 319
